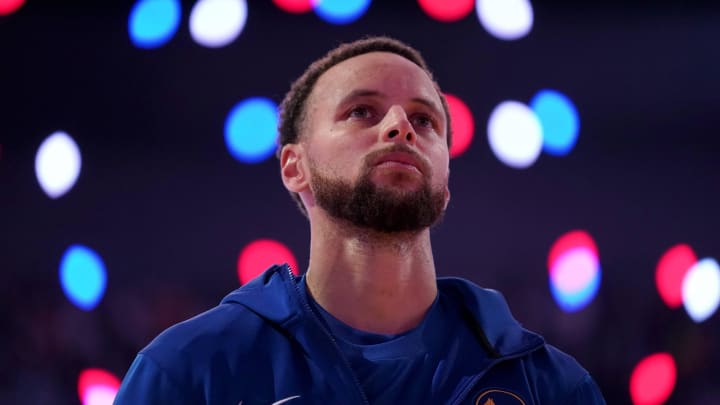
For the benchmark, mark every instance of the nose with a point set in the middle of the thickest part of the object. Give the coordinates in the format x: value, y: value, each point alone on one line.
x: 397, y: 128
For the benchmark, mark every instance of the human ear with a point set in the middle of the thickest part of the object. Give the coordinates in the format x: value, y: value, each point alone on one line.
x: 292, y: 170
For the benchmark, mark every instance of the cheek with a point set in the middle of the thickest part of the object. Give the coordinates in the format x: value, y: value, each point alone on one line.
x: 335, y: 163
x: 441, y: 170
x: 342, y: 154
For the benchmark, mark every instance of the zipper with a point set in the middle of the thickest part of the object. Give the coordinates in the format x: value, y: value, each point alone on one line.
x: 330, y: 337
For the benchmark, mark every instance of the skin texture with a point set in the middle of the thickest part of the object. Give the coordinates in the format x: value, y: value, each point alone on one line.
x: 359, y: 111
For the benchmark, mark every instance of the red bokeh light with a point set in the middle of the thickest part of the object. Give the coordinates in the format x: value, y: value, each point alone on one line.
x: 10, y: 6
x: 671, y: 270
x: 257, y: 256
x: 93, y: 377
x: 462, y: 123
x: 653, y: 379
x: 447, y: 10
x: 294, y: 6
x: 570, y: 240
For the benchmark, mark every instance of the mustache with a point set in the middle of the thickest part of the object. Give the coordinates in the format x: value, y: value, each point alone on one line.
x: 373, y: 157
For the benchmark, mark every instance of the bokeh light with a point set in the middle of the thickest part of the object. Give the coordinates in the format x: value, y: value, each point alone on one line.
x: 447, y: 10
x: 8, y: 7
x: 294, y: 6
x: 82, y: 276
x: 671, y: 270
x: 97, y: 387
x: 653, y: 379
x: 515, y: 134
x: 559, y: 120
x: 574, y: 270
x: 462, y: 123
x: 701, y: 290
x: 259, y: 255
x: 341, y: 11
x: 217, y: 23
x: 505, y: 19
x: 251, y: 130
x: 575, y: 279
x: 568, y: 241
x: 100, y: 395
x: 152, y: 23
x: 57, y: 164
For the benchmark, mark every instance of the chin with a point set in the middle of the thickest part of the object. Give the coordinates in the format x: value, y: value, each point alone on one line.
x: 400, y: 182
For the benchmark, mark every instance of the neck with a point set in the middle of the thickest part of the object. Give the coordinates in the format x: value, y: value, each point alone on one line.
x: 375, y: 282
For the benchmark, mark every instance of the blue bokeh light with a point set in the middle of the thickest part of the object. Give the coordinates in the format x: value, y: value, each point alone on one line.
x: 341, y: 11
x: 251, y: 130
x: 152, y: 23
x: 83, y: 277
x: 576, y: 300
x: 559, y: 119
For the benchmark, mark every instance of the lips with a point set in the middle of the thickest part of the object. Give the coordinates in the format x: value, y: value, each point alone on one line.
x: 400, y: 158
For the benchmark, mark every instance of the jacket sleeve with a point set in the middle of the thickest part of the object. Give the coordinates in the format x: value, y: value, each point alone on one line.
x: 147, y: 383
x: 587, y: 392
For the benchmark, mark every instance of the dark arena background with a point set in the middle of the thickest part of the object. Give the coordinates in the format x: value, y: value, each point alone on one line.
x: 139, y: 186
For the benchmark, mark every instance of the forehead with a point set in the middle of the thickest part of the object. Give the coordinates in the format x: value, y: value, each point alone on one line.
x: 385, y: 72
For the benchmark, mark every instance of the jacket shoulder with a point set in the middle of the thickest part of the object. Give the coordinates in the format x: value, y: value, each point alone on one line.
x: 560, y: 379
x: 230, y: 333
x: 202, y: 335
x: 174, y: 367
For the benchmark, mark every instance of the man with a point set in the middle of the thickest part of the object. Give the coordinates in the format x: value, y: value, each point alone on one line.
x: 364, y: 137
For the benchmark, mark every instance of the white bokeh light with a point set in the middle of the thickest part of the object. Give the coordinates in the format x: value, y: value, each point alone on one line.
x: 216, y: 23
x: 100, y: 395
x: 505, y: 19
x: 57, y: 164
x: 701, y: 290
x: 515, y: 134
x: 574, y: 270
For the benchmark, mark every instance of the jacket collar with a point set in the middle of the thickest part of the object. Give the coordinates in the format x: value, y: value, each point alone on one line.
x: 274, y: 297
x: 488, y: 313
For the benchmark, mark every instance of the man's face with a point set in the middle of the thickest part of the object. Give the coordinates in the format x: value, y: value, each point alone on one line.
x: 375, y: 135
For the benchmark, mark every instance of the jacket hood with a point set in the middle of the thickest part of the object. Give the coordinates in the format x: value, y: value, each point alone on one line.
x: 274, y: 296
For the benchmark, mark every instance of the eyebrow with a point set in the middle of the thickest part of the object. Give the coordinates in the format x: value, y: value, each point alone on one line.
x: 358, y: 93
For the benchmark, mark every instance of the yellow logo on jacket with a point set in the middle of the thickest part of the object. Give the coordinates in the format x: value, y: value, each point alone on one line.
x: 498, y: 397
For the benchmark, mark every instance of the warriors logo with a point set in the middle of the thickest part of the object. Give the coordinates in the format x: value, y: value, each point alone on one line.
x: 498, y: 397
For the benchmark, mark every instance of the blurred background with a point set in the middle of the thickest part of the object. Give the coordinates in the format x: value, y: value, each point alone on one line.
x: 139, y: 184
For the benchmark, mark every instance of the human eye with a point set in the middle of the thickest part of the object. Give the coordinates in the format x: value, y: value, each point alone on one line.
x: 360, y: 112
x: 423, y: 121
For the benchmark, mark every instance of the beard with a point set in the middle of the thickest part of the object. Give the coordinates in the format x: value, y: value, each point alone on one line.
x: 384, y: 210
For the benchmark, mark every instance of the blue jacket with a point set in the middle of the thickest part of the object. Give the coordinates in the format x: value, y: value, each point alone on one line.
x: 264, y: 345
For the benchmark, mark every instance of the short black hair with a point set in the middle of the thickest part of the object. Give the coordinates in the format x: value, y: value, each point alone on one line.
x: 292, y: 108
